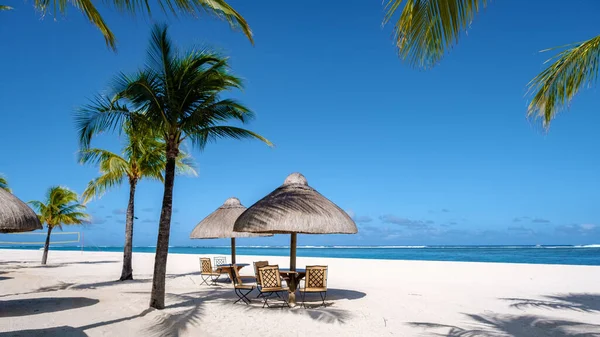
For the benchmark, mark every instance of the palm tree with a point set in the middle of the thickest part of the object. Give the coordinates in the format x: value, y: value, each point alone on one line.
x: 4, y: 183
x: 61, y: 207
x: 219, y: 8
x: 427, y: 29
x: 180, y: 95
x: 143, y: 157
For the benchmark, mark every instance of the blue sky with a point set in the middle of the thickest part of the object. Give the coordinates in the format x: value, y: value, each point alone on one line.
x: 417, y: 157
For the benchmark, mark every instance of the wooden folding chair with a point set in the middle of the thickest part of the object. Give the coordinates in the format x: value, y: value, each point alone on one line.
x: 315, y: 281
x: 241, y: 289
x: 207, y: 272
x: 270, y: 283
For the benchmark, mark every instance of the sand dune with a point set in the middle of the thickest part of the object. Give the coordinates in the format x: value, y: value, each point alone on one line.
x: 76, y: 295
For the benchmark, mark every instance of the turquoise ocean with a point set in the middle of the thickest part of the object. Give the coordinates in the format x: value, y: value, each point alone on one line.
x: 573, y: 255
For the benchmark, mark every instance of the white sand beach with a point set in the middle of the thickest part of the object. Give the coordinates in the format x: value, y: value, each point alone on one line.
x: 77, y: 295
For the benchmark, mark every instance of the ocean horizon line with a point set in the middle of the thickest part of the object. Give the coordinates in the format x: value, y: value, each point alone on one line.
x: 328, y: 246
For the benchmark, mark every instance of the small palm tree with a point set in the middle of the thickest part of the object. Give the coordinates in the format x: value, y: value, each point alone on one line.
x: 61, y: 207
x: 217, y: 8
x: 427, y: 29
x: 143, y: 157
x: 180, y: 95
x: 4, y: 183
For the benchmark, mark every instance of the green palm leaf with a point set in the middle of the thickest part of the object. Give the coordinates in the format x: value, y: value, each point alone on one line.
x: 4, y: 183
x: 178, y: 96
x: 61, y: 207
x: 427, y: 29
x: 569, y: 71
x: 217, y: 8
x: 5, y: 8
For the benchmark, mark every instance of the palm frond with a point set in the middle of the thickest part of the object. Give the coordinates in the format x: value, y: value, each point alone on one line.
x: 202, y: 136
x: 5, y: 8
x: 100, y: 115
x: 218, y: 8
x: 569, y: 71
x: 427, y: 29
x: 99, y: 186
x: 4, y: 184
x: 61, y: 207
x: 185, y: 164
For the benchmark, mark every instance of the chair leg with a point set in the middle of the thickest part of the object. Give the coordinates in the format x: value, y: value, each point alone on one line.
x: 266, y: 298
x: 237, y: 292
x: 204, y: 280
x: 214, y: 280
x: 286, y: 302
x: 323, y: 296
x: 303, y: 296
x: 242, y: 296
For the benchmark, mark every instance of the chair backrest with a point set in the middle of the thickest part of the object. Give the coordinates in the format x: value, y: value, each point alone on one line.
x: 269, y: 277
x: 259, y: 264
x: 219, y: 260
x: 205, y: 265
x: 235, y: 273
x: 316, y: 277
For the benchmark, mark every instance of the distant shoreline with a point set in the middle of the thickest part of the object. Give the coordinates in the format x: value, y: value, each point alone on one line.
x: 556, y: 254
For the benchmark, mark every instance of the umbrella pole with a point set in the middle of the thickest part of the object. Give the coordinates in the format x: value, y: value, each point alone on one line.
x: 232, y: 250
x: 292, y: 285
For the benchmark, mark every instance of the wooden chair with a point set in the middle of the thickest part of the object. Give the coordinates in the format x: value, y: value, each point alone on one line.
x: 241, y: 289
x: 259, y: 264
x: 270, y: 283
x: 315, y: 281
x: 207, y: 272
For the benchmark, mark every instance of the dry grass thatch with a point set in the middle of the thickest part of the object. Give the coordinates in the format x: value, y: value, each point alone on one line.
x: 15, y: 215
x: 295, y: 207
x: 219, y: 224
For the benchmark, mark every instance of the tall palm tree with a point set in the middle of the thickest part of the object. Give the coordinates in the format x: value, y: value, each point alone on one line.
x: 180, y: 95
x: 427, y: 29
x: 4, y: 183
x: 61, y: 207
x: 143, y: 157
x: 219, y: 8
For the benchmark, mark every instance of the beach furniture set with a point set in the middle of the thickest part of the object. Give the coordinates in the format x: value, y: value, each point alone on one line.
x: 268, y: 280
x: 292, y: 208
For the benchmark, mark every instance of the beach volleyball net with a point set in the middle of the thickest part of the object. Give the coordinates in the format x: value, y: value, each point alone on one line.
x: 39, y: 238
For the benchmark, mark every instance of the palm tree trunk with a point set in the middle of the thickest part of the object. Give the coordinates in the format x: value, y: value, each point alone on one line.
x: 127, y: 271
x: 46, y: 246
x: 157, y: 298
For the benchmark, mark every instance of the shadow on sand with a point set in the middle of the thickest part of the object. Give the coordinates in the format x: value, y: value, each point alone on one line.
x: 34, y: 306
x: 63, y: 331
x: 497, y: 325
x: 584, y: 302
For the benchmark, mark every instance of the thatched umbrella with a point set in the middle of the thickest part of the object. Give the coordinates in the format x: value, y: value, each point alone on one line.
x: 219, y: 224
x: 293, y: 208
x: 15, y: 215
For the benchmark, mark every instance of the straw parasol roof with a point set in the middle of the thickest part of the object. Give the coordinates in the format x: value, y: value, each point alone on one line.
x: 15, y: 215
x: 295, y: 207
x: 219, y: 224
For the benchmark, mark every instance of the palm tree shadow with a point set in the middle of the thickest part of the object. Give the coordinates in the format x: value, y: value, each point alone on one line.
x: 497, y: 325
x: 34, y: 306
x: 63, y: 331
x: 584, y: 302
x: 185, y: 310
x: 94, y: 285
x: 318, y: 313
